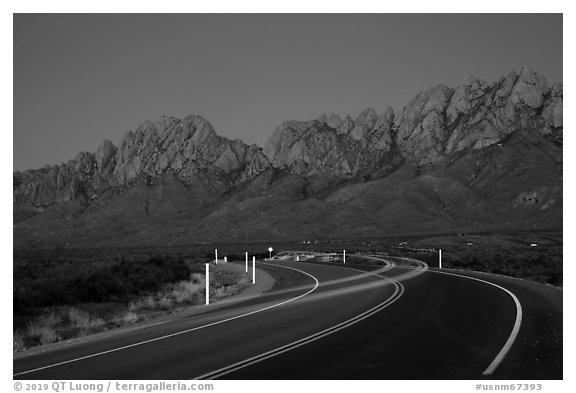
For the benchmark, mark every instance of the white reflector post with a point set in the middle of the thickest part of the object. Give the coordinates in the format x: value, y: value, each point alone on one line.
x: 246, y: 261
x: 253, y: 270
x: 216, y: 256
x: 440, y: 259
x: 207, y: 283
x: 344, y: 253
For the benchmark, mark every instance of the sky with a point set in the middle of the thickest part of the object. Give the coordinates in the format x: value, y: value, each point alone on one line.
x: 82, y: 78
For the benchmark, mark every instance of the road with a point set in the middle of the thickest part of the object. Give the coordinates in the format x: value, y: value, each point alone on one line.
x: 328, y: 321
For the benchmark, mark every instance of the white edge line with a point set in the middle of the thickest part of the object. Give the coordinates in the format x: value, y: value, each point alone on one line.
x: 515, y: 329
x: 517, y: 322
x: 316, y: 284
x: 313, y: 337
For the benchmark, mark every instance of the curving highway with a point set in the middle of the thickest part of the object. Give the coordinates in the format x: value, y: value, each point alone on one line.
x: 400, y: 320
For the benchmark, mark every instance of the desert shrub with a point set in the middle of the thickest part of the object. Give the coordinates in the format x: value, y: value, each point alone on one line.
x: 18, y: 341
x: 149, y: 302
x: 78, y: 318
x: 95, y: 325
x: 68, y: 284
x: 188, y: 291
x: 540, y: 265
x: 165, y: 303
x: 145, y: 303
x: 129, y: 317
x: 48, y: 336
x: 82, y: 320
x: 62, y: 322
x: 133, y: 306
x: 220, y: 292
x: 42, y: 330
x: 198, y: 267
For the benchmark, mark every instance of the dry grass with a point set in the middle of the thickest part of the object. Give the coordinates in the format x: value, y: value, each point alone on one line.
x: 126, y: 318
x: 77, y: 317
x: 64, y: 322
x: 188, y: 291
x: 18, y: 341
x: 129, y: 317
x: 165, y: 303
x: 221, y: 292
x: 57, y: 323
x: 82, y: 320
x: 42, y: 330
x: 49, y: 336
x: 147, y: 303
x: 132, y: 307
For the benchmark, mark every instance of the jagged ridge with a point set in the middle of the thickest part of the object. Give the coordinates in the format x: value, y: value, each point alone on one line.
x: 306, y: 160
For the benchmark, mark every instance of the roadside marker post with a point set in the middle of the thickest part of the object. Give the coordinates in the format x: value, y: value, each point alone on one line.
x: 216, y: 256
x: 207, y: 283
x: 246, y: 261
x: 225, y: 259
x: 440, y: 258
x: 344, y: 253
x: 253, y: 270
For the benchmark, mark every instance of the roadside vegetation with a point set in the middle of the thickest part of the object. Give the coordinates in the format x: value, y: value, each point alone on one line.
x: 530, y: 255
x: 544, y: 266
x: 58, y: 295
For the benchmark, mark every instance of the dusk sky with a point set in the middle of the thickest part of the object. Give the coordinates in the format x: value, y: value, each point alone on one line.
x: 80, y: 79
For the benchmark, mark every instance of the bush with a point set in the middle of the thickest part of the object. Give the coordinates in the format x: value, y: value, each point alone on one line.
x: 78, y: 318
x: 49, y: 336
x: 42, y: 330
x: 165, y: 303
x: 129, y: 317
x: 188, y: 291
x: 18, y: 341
x: 81, y: 320
x: 69, y: 284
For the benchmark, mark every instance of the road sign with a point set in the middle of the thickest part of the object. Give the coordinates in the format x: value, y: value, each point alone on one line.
x: 270, y: 249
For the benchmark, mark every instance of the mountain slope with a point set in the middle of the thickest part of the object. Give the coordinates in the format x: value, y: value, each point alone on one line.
x: 487, y: 155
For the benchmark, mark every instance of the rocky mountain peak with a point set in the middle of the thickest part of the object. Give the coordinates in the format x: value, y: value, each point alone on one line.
x: 529, y: 89
x: 364, y: 123
x: 422, y: 129
x: 106, y: 156
x: 495, y: 148
x: 186, y: 148
x: 333, y: 145
x: 476, y: 114
x: 434, y: 125
x: 387, y: 115
x: 334, y: 121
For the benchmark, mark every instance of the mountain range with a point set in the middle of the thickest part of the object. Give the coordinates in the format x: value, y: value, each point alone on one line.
x: 481, y: 155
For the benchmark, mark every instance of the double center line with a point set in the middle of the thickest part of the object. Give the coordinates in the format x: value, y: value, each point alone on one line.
x: 316, y: 284
x: 398, y: 291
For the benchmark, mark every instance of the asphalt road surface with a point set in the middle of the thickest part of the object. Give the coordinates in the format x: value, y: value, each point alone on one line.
x: 401, y: 320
